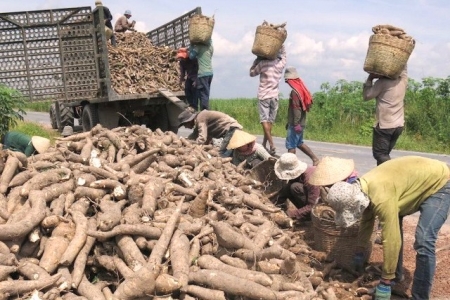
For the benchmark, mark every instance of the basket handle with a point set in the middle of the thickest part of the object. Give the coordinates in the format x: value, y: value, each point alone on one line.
x: 325, y: 214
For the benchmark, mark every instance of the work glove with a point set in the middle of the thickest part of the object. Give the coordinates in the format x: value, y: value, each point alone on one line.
x: 298, y: 128
x: 358, y: 262
x: 383, y: 292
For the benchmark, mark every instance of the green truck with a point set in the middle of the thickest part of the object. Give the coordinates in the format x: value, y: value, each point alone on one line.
x: 61, y: 55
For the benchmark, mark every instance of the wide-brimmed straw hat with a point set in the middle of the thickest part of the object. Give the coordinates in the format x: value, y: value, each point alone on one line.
x: 67, y: 130
x: 239, y: 139
x: 331, y: 170
x: 41, y: 144
x: 290, y: 73
x: 185, y: 117
x: 288, y: 166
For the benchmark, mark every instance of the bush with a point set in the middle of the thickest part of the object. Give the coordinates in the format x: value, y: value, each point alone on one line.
x: 12, y: 108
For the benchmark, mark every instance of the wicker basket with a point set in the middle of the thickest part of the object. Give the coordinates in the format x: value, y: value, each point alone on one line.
x: 264, y: 173
x: 268, y: 41
x: 200, y: 29
x: 387, y: 55
x: 339, y: 243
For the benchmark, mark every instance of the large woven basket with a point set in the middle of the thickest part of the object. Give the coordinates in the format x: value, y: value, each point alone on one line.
x: 264, y: 173
x: 387, y: 55
x: 339, y: 243
x: 200, y: 29
x: 268, y: 41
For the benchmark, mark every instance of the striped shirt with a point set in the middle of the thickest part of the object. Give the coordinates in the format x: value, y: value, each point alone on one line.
x: 270, y: 72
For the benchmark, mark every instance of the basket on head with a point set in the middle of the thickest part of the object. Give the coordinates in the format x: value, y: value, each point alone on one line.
x: 200, y: 29
x: 339, y: 243
x: 387, y: 55
x: 268, y: 40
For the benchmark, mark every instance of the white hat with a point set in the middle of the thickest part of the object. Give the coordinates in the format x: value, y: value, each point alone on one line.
x: 127, y: 12
x: 288, y: 166
x: 290, y: 73
x: 41, y: 144
x: 67, y: 130
x: 330, y: 170
x: 239, y: 139
x: 348, y: 201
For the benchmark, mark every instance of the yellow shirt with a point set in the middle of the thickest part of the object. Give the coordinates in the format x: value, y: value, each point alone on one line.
x: 397, y: 188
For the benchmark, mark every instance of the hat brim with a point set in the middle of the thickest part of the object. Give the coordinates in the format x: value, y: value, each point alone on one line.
x: 41, y: 144
x: 239, y: 139
x: 331, y: 170
x: 187, y: 120
x: 291, y: 174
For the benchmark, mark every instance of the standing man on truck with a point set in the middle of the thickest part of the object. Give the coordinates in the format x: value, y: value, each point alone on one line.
x: 108, y: 18
x: 188, y: 76
x: 203, y: 53
x: 122, y: 24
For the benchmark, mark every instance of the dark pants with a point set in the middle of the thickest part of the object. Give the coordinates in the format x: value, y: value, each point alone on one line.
x: 223, y: 151
x: 383, y: 142
x: 191, y: 92
x: 295, y: 192
x: 204, y: 88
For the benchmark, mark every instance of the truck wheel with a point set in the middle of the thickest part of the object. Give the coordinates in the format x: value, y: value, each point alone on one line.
x: 53, y: 116
x: 66, y: 114
x: 89, y: 117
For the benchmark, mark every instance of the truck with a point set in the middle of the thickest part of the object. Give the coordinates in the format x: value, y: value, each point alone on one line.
x: 61, y: 55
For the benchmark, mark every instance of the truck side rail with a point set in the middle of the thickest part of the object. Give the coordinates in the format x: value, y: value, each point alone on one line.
x: 49, y: 55
x: 174, y: 34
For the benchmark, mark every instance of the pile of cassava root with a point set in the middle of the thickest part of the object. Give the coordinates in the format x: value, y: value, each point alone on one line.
x: 137, y: 66
x: 129, y: 213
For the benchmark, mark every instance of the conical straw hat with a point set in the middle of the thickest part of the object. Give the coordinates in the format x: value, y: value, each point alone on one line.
x: 41, y: 144
x: 239, y: 139
x: 331, y: 170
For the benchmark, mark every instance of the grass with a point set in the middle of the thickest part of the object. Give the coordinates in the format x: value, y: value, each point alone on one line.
x: 32, y: 128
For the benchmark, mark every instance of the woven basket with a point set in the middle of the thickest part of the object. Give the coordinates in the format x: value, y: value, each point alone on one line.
x: 264, y: 173
x: 339, y: 243
x: 387, y: 55
x: 268, y: 41
x: 200, y: 29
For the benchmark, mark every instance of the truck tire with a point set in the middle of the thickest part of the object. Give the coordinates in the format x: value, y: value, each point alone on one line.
x: 89, y: 117
x: 66, y: 114
x: 53, y: 116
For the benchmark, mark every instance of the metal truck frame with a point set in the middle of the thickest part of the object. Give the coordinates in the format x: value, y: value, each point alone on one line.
x: 61, y: 55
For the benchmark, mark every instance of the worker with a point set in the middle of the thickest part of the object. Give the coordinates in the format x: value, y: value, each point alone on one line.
x: 122, y: 24
x: 298, y: 189
x: 108, y: 18
x: 246, y: 151
x: 188, y: 76
x: 17, y: 141
x: 392, y: 190
x: 209, y: 124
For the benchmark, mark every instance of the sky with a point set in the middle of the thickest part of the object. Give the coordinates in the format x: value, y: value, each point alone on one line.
x: 327, y: 40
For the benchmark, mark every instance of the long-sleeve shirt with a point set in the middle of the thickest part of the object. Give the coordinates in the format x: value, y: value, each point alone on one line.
x: 270, y: 72
x: 211, y: 124
x: 122, y: 24
x: 296, y: 115
x: 107, y: 16
x: 20, y: 142
x: 397, y: 188
x: 203, y: 53
x: 260, y: 153
x: 188, y: 69
x: 389, y: 95
x: 312, y: 193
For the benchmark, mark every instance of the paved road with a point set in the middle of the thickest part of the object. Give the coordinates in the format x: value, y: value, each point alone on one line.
x: 360, y: 154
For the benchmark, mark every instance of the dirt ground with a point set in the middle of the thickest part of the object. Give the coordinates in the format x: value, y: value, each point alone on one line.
x: 441, y: 285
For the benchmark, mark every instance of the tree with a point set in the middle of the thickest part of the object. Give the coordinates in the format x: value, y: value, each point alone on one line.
x: 11, y: 108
